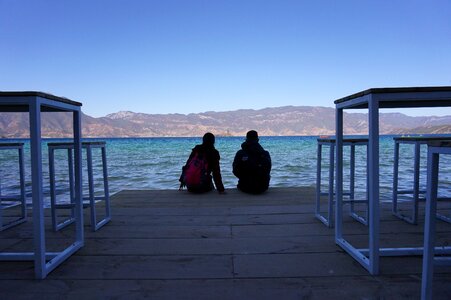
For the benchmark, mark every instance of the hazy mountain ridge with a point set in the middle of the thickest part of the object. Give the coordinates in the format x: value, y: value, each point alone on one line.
x: 285, y: 120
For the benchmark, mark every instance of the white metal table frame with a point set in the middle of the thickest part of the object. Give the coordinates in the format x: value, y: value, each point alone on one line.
x: 330, y: 142
x: 19, y: 200
x: 415, y: 191
x: 95, y: 225
x: 373, y: 100
x: 434, y: 151
x: 34, y: 103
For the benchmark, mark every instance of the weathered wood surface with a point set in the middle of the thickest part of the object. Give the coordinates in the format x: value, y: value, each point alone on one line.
x: 176, y: 245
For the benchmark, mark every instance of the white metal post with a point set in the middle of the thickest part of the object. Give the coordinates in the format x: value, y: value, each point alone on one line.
x: 1, y: 210
x: 373, y: 153
x: 330, y: 204
x: 23, y: 198
x: 395, y: 178
x: 416, y: 182
x: 429, y: 225
x: 70, y: 162
x: 367, y: 184
x: 78, y: 178
x: 339, y: 175
x: 352, y: 179
x: 92, y: 202
x: 36, y: 175
x: 352, y: 175
x: 52, y: 188
x: 105, y: 183
x: 318, y: 178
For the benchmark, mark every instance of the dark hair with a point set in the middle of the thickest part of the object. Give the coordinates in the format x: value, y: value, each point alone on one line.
x: 252, y: 135
x: 208, y: 139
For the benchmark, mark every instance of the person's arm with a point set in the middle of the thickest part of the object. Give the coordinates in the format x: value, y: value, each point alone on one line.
x: 190, y: 157
x: 217, y: 178
x: 236, y: 164
x: 269, y: 160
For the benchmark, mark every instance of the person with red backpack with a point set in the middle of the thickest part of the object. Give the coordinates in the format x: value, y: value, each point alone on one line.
x: 201, y: 164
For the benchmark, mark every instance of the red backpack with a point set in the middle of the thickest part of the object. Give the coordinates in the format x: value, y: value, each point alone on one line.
x: 195, y: 172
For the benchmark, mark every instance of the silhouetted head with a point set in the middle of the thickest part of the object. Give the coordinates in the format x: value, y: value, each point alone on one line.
x: 252, y: 135
x: 208, y: 139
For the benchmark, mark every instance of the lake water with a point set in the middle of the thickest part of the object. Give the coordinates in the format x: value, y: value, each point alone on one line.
x: 155, y: 163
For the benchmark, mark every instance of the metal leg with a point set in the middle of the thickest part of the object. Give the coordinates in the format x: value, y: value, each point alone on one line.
x: 352, y: 181
x: 339, y: 177
x: 92, y: 203
x: 440, y: 216
x: 54, y: 205
x: 367, y: 184
x: 330, y: 202
x: 38, y: 203
x: 318, y: 181
x: 78, y: 179
x: 416, y: 183
x: 1, y: 207
x: 352, y: 175
x: 106, y: 196
x: 395, y: 179
x: 429, y: 225
x: 106, y: 187
x: 23, y: 199
x: 328, y: 219
x: 373, y: 107
x: 352, y: 213
x: 70, y: 166
x: 52, y: 189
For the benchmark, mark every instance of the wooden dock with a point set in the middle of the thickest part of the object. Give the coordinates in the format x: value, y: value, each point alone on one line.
x: 165, y: 244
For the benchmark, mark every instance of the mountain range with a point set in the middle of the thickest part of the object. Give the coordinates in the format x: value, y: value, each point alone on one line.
x: 276, y: 121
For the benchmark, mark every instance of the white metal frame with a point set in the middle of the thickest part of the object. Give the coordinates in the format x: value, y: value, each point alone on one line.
x: 330, y: 142
x: 95, y: 225
x: 429, y: 225
x: 34, y: 103
x: 19, y: 200
x: 374, y: 99
x: 415, y: 191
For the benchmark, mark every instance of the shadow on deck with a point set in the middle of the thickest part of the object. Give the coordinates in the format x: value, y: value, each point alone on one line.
x: 165, y: 244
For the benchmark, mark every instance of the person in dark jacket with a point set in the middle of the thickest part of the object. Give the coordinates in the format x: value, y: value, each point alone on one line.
x: 208, y: 150
x: 252, y: 165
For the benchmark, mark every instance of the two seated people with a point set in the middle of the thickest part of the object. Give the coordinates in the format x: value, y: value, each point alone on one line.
x: 252, y: 166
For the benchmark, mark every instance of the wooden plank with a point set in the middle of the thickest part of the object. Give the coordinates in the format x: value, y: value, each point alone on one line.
x: 129, y: 267
x: 317, y: 264
x: 318, y: 228
x: 353, y: 287
x: 209, y: 220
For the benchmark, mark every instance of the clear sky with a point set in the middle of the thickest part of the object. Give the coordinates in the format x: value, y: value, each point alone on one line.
x: 183, y: 56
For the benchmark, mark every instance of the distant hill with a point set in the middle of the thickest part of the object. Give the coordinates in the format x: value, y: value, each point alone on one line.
x: 286, y: 120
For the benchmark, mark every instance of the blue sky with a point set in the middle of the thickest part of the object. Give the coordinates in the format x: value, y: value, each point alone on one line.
x: 188, y: 56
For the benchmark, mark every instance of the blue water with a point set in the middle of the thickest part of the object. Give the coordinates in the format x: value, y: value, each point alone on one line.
x: 155, y: 163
